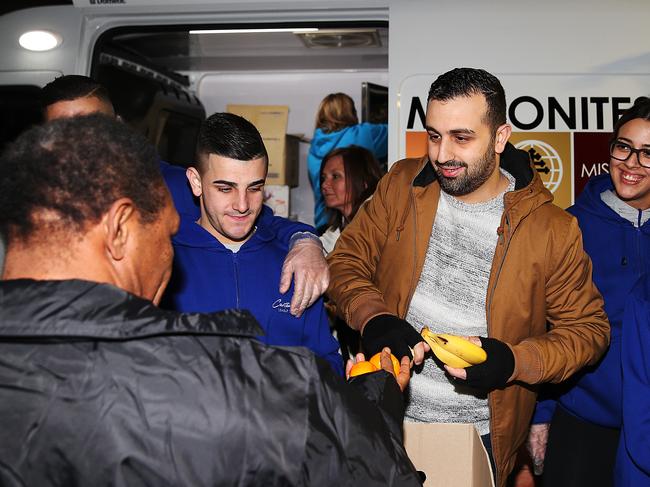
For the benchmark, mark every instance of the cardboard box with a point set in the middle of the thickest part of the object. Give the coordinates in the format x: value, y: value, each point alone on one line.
x: 449, y: 454
x: 277, y: 198
x: 283, y: 149
x: 283, y: 160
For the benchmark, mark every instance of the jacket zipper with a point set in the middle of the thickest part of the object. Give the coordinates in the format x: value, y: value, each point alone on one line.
x: 236, y: 273
x: 415, y: 255
x: 415, y: 244
x: 639, y: 253
x: 504, y: 241
x: 400, y: 227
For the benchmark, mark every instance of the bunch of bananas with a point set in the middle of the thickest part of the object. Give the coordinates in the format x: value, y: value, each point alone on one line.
x: 453, y: 350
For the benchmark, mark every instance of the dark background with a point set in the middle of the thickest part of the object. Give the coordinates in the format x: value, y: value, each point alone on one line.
x: 7, y: 6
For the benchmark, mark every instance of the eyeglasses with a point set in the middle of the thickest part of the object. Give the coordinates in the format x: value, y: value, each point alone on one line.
x: 621, y: 152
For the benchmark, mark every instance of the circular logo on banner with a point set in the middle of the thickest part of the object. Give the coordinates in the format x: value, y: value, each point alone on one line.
x: 546, y: 160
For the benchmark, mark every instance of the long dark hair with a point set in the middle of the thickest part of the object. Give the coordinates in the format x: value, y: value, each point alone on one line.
x: 362, y: 173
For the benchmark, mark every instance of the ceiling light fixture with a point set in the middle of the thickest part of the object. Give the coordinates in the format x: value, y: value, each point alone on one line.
x: 253, y: 31
x: 341, y: 38
x: 39, y: 40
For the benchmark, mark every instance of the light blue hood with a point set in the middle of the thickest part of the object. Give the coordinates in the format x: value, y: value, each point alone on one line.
x: 373, y: 137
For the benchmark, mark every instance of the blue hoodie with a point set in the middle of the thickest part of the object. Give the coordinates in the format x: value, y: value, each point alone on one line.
x: 633, y: 456
x: 373, y: 137
x: 209, y: 277
x: 618, y: 251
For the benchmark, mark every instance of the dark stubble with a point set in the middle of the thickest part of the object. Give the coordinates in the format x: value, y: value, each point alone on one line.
x: 472, y: 179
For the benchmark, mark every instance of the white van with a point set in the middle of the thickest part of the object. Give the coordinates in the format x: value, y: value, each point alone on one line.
x: 569, y: 68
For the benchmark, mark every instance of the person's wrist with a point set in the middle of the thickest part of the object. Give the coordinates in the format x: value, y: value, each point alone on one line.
x: 514, y: 364
x: 377, y: 322
x: 387, y: 330
x: 304, y: 238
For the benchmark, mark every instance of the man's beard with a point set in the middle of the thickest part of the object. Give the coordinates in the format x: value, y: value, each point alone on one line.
x: 472, y: 179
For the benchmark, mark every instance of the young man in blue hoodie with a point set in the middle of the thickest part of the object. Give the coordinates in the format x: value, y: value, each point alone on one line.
x: 585, y: 418
x: 231, y: 257
x: 75, y: 95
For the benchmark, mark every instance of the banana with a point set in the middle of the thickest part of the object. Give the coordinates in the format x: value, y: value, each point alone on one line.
x: 447, y: 357
x: 463, y: 348
x: 453, y: 350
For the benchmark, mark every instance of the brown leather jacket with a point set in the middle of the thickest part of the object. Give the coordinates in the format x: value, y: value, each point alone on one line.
x: 540, y: 275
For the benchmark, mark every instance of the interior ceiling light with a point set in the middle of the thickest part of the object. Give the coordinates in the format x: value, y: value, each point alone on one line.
x: 253, y: 31
x: 39, y: 40
x: 340, y: 38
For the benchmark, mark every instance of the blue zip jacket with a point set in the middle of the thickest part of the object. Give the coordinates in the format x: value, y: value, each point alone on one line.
x: 373, y: 137
x: 209, y: 277
x: 633, y: 456
x: 618, y: 251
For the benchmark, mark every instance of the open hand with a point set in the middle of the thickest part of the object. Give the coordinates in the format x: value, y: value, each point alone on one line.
x: 306, y: 265
x: 402, y: 378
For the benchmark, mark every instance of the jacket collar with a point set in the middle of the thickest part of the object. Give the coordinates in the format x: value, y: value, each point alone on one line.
x: 516, y: 162
x: 529, y: 192
x: 91, y: 310
x: 590, y: 201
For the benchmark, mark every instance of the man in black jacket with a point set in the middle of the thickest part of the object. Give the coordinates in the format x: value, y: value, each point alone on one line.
x: 98, y: 386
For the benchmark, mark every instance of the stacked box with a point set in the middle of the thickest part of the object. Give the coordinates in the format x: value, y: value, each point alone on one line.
x: 283, y: 149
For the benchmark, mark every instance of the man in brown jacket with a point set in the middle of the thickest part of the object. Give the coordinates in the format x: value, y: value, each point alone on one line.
x: 467, y: 241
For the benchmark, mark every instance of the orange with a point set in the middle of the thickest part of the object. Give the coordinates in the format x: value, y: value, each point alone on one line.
x: 376, y: 361
x: 361, y: 368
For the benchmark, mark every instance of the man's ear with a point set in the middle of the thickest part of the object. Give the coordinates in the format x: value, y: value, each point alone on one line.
x: 117, y: 221
x: 503, y: 134
x: 194, y: 178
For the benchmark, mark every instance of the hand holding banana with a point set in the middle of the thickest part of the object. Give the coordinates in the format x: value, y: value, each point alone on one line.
x: 453, y: 350
x: 488, y: 366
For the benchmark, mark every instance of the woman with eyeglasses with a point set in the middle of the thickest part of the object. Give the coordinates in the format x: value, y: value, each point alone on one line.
x: 586, y: 414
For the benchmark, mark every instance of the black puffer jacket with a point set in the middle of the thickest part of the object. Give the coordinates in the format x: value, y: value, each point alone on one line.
x: 99, y: 387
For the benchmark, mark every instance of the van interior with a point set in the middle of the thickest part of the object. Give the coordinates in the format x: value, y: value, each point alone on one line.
x: 165, y: 80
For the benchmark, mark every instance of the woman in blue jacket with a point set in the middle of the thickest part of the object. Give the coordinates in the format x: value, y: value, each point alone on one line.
x: 613, y: 213
x: 337, y: 125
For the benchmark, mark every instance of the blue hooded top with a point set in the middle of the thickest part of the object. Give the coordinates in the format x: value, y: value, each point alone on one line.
x: 633, y: 457
x: 619, y: 252
x: 373, y: 137
x: 209, y: 277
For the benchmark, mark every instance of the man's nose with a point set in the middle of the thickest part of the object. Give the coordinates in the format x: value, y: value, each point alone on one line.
x: 241, y: 203
x: 445, y: 152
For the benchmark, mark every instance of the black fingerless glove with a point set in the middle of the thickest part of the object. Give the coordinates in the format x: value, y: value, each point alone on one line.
x: 392, y: 332
x: 497, y: 368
